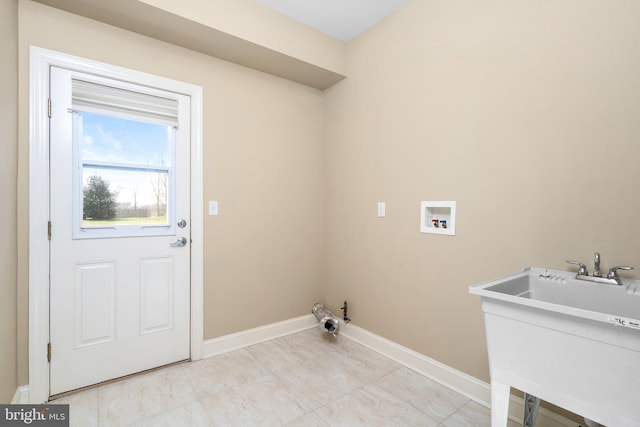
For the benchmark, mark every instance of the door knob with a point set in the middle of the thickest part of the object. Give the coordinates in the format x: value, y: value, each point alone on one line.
x: 182, y: 241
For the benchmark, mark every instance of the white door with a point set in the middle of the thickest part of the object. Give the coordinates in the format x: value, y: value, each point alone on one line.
x: 120, y: 229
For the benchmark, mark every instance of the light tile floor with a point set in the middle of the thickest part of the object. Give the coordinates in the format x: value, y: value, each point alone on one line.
x: 305, y: 379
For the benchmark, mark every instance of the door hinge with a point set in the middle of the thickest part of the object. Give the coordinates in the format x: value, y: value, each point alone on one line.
x: 49, y: 352
x: 49, y: 230
x: 49, y: 107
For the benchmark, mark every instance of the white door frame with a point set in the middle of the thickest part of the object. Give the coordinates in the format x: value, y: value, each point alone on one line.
x: 40, y: 62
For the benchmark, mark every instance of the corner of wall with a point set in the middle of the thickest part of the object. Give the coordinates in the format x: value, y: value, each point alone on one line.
x: 8, y: 192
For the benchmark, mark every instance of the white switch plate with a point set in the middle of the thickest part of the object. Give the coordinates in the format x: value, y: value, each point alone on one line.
x: 213, y: 207
x: 382, y: 209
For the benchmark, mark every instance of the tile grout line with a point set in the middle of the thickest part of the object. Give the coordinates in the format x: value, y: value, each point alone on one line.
x: 454, y: 412
x: 198, y: 399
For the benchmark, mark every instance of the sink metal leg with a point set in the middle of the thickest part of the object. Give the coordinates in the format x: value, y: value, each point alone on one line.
x: 531, y: 406
x: 500, y: 394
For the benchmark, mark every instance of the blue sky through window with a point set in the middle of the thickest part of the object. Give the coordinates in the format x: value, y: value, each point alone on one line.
x: 109, y: 140
x: 112, y: 139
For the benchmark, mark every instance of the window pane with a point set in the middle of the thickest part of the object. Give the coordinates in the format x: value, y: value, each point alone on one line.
x: 117, y: 140
x: 124, y: 176
x: 119, y: 196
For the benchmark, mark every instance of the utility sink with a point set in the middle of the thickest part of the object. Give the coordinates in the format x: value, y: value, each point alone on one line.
x: 559, y: 291
x: 570, y: 342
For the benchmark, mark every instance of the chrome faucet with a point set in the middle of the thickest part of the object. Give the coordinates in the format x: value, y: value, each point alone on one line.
x: 596, y: 265
x: 611, y: 279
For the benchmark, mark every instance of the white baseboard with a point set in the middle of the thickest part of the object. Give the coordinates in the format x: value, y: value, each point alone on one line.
x: 471, y: 387
x: 257, y: 335
x: 21, y: 397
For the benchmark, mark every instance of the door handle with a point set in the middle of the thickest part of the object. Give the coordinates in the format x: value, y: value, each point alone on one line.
x: 182, y: 241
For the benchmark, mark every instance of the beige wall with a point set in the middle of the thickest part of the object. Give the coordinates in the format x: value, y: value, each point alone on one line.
x: 263, y: 159
x: 8, y: 176
x: 525, y: 113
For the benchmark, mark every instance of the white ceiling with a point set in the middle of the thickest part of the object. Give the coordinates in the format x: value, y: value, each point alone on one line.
x: 342, y: 19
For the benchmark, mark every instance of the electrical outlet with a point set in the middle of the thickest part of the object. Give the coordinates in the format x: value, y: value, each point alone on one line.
x: 382, y: 209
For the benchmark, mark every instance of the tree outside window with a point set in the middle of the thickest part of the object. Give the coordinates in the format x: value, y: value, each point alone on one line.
x: 99, y: 201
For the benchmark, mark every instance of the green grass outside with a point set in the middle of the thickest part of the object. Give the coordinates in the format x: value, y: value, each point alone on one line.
x: 153, y: 220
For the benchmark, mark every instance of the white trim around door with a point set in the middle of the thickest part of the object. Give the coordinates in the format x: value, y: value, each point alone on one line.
x: 40, y: 62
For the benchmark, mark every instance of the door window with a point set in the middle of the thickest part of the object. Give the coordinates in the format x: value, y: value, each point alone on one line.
x: 124, y: 146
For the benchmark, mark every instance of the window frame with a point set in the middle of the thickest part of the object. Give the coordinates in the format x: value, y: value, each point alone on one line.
x: 138, y: 230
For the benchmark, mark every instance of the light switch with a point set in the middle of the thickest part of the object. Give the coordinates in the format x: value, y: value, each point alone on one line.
x: 213, y: 207
x: 382, y: 209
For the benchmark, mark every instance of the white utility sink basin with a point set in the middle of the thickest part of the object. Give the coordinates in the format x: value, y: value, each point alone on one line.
x: 570, y: 342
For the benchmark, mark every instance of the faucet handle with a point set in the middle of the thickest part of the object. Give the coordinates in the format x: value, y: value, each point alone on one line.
x: 613, y: 271
x: 582, y: 271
